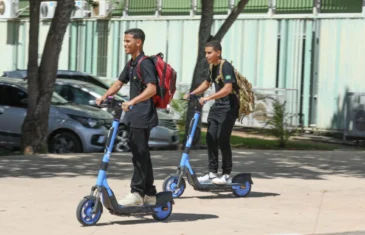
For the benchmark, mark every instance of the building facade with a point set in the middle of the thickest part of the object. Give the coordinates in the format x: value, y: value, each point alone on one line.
x: 310, y: 53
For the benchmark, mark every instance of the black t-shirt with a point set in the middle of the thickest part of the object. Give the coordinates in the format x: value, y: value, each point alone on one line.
x: 143, y: 114
x: 227, y: 105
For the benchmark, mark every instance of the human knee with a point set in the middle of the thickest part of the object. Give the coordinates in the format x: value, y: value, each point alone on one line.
x: 210, y: 137
x: 223, y: 141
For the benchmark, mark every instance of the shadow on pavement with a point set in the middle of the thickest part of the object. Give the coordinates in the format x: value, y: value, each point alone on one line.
x: 264, y: 164
x: 342, y: 233
x: 175, y: 217
x: 231, y: 196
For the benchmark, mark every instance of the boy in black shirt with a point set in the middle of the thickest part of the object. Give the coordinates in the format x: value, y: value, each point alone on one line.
x: 140, y: 119
x: 222, y: 115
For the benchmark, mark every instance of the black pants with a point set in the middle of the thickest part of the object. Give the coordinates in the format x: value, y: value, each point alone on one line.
x: 218, y: 135
x: 142, y: 180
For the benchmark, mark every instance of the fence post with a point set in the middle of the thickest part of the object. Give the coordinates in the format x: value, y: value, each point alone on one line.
x: 272, y: 7
x: 316, y: 7
x: 125, y: 9
x: 194, y: 6
x: 158, y: 8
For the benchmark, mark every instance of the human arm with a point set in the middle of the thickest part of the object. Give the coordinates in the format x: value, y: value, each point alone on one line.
x: 200, y: 89
x: 226, y: 90
x: 149, y: 78
x: 228, y: 80
x: 110, y: 92
x: 146, y: 94
x: 123, y: 79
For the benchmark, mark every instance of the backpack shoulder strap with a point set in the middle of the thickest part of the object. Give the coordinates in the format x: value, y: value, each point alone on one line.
x: 139, y: 71
x: 221, y: 69
x: 210, y: 74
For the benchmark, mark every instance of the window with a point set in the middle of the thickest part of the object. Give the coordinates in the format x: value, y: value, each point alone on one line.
x: 12, y: 96
x: 74, y: 94
x: 81, y: 96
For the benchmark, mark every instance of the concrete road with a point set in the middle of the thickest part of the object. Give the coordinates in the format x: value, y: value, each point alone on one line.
x: 294, y: 192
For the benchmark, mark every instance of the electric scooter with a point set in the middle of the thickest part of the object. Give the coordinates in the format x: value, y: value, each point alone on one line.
x: 240, y: 185
x: 90, y: 208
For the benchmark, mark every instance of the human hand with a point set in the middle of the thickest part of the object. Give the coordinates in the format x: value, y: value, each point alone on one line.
x: 100, y: 100
x: 202, y: 101
x: 187, y: 96
x: 126, y: 105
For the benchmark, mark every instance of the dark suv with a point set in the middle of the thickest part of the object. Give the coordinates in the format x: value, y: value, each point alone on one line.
x: 65, y: 74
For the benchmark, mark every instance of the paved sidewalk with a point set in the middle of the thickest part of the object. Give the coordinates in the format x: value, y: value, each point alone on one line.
x: 294, y: 192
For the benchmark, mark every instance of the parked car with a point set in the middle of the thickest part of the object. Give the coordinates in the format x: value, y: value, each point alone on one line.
x: 69, y: 74
x: 71, y: 128
x: 165, y: 135
x: 65, y: 74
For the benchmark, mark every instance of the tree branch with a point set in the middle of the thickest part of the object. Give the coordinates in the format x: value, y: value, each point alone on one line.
x: 205, y: 27
x: 53, y: 45
x: 230, y: 20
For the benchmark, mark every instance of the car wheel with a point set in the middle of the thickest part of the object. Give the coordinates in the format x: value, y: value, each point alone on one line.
x: 122, y: 141
x: 65, y: 142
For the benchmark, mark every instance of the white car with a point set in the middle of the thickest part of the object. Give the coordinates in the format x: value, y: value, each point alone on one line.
x: 71, y: 128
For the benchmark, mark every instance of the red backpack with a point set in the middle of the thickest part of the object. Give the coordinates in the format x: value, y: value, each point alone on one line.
x: 166, y: 86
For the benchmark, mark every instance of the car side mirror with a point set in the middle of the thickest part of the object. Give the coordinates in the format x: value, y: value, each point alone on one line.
x: 24, y: 101
x: 92, y: 103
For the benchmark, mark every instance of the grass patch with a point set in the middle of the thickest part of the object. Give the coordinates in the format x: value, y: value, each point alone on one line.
x: 257, y: 143
x: 8, y: 152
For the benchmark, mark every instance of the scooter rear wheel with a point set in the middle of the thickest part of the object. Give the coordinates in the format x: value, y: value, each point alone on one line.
x: 84, y: 212
x: 170, y: 184
x: 242, y: 191
x: 163, y: 212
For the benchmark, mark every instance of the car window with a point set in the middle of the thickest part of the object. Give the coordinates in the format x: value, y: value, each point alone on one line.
x: 12, y: 96
x: 81, y: 96
x: 58, y: 88
x: 74, y: 94
x: 99, y: 91
x: 65, y: 92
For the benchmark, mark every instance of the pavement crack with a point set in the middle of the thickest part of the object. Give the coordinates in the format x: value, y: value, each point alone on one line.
x: 94, y: 231
x: 319, y: 212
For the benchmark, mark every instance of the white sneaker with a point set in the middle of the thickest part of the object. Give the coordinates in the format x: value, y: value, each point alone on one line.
x: 149, y: 200
x: 224, y: 179
x: 132, y: 199
x: 207, y: 177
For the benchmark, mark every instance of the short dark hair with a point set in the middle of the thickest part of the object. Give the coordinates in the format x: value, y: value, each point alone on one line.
x: 137, y: 33
x: 215, y: 44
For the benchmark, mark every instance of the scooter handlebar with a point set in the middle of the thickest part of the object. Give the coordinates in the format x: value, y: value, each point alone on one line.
x: 194, y: 98
x: 110, y: 102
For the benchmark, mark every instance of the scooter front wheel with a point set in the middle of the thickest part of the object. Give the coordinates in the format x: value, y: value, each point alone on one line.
x: 163, y: 212
x: 84, y: 211
x: 170, y: 184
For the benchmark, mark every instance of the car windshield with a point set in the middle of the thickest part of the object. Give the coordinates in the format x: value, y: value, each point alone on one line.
x: 57, y: 99
x: 99, y: 91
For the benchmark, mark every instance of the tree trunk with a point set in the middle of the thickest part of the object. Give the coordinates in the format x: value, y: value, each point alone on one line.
x: 41, y: 79
x: 201, y: 67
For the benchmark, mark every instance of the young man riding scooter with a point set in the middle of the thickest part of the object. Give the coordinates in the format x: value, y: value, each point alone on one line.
x: 222, y: 115
x: 140, y: 119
